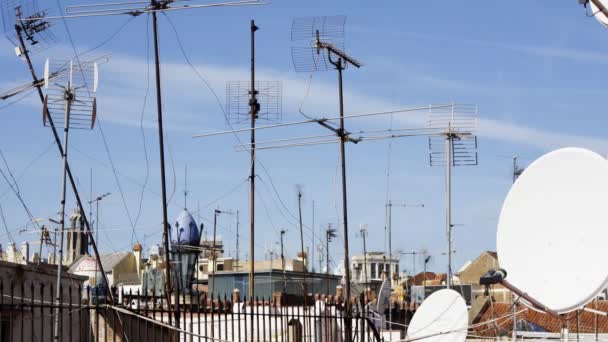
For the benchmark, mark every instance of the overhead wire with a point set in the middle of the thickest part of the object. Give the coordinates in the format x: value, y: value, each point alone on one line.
x: 221, y: 106
x: 10, y: 173
x: 18, y: 195
x: 141, y: 123
x: 22, y: 97
x: 8, y: 233
x: 99, y: 121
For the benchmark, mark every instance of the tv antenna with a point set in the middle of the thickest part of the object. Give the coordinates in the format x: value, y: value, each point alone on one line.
x: 69, y: 98
x: 247, y: 102
x: 29, y: 38
x: 454, y: 146
x: 517, y: 170
x: 137, y: 8
x: 23, y: 20
x: 330, y: 233
x: 325, y: 34
x: 269, y: 98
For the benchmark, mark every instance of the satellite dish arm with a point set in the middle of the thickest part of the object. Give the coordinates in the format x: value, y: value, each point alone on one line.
x: 498, y: 277
x: 600, y: 6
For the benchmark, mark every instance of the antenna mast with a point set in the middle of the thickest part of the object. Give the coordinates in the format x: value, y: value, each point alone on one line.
x: 70, y: 99
x: 254, y: 107
x: 460, y: 149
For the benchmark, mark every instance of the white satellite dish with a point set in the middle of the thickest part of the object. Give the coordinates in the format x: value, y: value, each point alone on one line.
x: 599, y: 14
x: 442, y: 317
x: 552, y: 230
x: 384, y: 296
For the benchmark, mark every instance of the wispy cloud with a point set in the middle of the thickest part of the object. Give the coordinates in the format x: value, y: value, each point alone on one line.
x: 192, y: 105
x: 540, y: 49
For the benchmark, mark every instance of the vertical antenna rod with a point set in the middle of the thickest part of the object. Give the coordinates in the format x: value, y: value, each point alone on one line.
x: 38, y: 84
x: 283, y: 262
x: 448, y: 191
x: 237, y: 239
x: 304, y: 260
x: 68, y: 97
x: 161, y: 145
x: 347, y: 304
x: 253, y: 110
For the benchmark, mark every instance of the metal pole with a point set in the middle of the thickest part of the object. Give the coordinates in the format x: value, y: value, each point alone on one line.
x: 60, y: 148
x: 390, y: 258
x: 304, y: 259
x: 68, y: 98
x: 347, y: 306
x: 253, y: 112
x: 161, y: 145
x: 448, y: 180
x: 283, y: 262
x: 312, y: 242
x: 363, y: 234
x: 213, y: 265
x: 96, y: 236
x: 327, y: 262
x: 237, y: 239
x: 213, y: 248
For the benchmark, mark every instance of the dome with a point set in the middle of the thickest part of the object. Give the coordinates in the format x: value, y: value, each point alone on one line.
x: 185, y: 231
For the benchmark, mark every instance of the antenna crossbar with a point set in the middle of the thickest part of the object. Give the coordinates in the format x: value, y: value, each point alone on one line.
x: 161, y: 6
x: 293, y: 123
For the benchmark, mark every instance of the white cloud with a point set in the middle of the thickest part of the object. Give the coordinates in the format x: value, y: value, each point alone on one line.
x: 191, y: 104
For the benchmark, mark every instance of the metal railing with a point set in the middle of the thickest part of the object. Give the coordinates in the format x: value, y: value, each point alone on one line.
x: 28, y: 311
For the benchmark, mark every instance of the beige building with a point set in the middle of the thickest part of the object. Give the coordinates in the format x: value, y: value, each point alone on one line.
x: 39, y: 279
x: 121, y: 268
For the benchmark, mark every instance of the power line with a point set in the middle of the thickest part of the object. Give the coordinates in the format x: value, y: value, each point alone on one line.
x: 30, y: 164
x: 141, y: 122
x: 18, y: 194
x: 22, y: 97
x: 99, y: 124
x: 8, y: 233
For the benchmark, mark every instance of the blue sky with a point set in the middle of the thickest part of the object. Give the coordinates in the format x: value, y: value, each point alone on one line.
x: 534, y: 70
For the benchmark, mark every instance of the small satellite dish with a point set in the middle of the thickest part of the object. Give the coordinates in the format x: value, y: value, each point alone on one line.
x: 552, y: 229
x: 46, y: 74
x: 598, y: 13
x: 384, y: 296
x: 442, y: 317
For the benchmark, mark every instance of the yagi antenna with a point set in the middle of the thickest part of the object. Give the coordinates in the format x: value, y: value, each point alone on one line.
x: 137, y: 8
x: 23, y: 20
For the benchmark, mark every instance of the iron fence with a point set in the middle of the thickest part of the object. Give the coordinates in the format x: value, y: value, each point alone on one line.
x: 28, y: 312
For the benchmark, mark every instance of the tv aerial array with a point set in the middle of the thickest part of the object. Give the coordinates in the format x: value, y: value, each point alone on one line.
x: 456, y: 123
x: 66, y: 83
x: 269, y: 95
x: 24, y: 17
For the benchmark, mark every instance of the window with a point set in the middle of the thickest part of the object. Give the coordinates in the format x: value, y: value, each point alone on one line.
x: 373, y: 270
x: 220, y: 267
x: 380, y: 269
x: 397, y: 268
